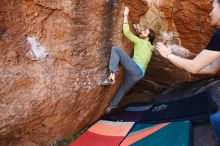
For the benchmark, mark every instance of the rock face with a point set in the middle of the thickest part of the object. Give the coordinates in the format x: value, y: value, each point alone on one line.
x: 53, y: 56
x: 55, y: 53
x: 185, y: 23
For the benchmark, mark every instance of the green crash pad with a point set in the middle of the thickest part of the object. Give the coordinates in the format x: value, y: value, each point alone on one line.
x: 163, y: 134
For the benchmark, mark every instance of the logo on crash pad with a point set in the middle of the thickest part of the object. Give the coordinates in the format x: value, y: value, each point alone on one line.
x: 159, y: 108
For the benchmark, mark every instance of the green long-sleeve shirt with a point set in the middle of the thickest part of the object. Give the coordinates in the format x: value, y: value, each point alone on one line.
x: 142, y: 48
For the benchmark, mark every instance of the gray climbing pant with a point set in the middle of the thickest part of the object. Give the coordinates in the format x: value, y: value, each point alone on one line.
x: 132, y: 75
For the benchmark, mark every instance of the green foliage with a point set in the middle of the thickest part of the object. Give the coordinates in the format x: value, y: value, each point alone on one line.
x: 68, y: 140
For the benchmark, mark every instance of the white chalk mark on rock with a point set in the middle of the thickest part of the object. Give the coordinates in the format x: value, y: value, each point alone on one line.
x: 37, y: 51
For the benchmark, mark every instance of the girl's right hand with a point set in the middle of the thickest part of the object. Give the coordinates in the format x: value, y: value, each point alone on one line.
x: 126, y: 11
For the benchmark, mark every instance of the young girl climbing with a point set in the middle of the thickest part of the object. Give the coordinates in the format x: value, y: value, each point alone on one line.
x: 134, y: 67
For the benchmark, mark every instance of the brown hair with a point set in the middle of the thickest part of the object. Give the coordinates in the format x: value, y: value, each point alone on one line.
x: 151, y: 36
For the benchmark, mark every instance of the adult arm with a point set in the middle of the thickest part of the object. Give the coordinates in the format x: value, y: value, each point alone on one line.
x: 196, y: 65
x: 212, y: 68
